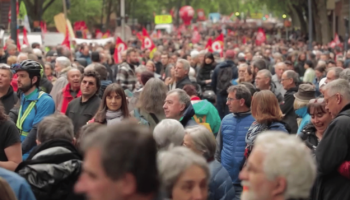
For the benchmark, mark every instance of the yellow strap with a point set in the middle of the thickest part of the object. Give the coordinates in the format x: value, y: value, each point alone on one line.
x: 30, y: 107
x: 25, y: 134
x: 200, y: 120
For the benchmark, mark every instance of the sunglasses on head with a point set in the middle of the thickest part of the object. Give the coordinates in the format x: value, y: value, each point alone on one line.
x: 319, y: 100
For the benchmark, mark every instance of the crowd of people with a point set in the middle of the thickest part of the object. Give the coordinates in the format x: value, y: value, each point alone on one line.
x: 262, y: 122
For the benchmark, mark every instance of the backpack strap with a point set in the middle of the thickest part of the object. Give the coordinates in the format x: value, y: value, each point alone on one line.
x: 154, y: 117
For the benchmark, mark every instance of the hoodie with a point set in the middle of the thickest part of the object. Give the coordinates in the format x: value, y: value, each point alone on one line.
x: 205, y: 108
x: 186, y: 119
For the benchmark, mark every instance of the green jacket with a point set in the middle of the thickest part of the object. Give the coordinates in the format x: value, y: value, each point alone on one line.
x: 205, y: 108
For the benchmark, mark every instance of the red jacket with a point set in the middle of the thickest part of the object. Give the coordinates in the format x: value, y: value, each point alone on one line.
x: 14, y: 82
x: 67, y: 97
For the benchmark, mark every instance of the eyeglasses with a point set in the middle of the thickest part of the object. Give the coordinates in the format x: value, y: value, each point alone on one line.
x: 231, y: 99
x: 327, y: 100
x: 285, y: 79
x: 319, y: 100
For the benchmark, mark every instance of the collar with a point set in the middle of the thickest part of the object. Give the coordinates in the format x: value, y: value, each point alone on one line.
x: 32, y: 96
x: 67, y: 91
x: 242, y: 114
x: 89, y: 100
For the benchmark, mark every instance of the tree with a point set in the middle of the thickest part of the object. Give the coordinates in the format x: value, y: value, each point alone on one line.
x: 36, y: 8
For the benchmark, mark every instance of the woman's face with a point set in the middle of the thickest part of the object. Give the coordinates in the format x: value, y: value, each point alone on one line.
x: 114, y: 101
x: 191, y: 185
x: 302, y: 57
x: 172, y: 71
x: 208, y: 61
x: 188, y: 142
x: 320, y: 120
x: 48, y: 70
x: 150, y: 67
x: 306, y: 66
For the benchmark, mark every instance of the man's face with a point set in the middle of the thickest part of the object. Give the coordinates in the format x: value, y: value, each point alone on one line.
x: 241, y: 72
x: 259, y: 187
x: 123, y: 57
x: 133, y: 58
x: 74, y: 78
x: 12, y: 52
x: 23, y: 80
x: 233, y: 103
x: 279, y: 69
x: 285, y: 81
x: 93, y: 182
x: 248, y: 56
x: 88, y: 86
x: 180, y: 72
x: 330, y: 76
x: 86, y: 51
x: 174, y: 58
x: 261, y: 82
x: 5, y: 78
x: 332, y: 102
x: 324, y: 58
x: 164, y: 59
x: 173, y: 107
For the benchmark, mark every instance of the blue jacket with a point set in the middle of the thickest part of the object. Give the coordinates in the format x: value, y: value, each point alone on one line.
x: 18, y: 184
x: 227, y: 63
x: 231, y: 142
x: 44, y: 106
x: 220, y: 184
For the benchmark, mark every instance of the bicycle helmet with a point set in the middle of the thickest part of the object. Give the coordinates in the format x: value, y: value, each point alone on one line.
x: 32, y: 67
x: 210, y: 96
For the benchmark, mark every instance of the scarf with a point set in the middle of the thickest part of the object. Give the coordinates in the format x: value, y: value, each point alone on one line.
x: 114, y: 116
x: 253, y: 132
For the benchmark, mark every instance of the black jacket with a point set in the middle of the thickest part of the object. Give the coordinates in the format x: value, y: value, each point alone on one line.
x: 274, y: 90
x: 204, y: 73
x: 331, y: 152
x: 308, y: 135
x: 3, y: 59
x: 52, y: 169
x: 290, y: 117
x: 186, y: 119
x: 185, y: 81
x: 80, y: 113
x: 9, y: 100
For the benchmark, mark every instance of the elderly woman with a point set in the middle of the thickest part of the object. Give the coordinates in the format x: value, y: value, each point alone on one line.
x: 201, y: 141
x: 169, y: 132
x: 305, y: 93
x: 183, y: 174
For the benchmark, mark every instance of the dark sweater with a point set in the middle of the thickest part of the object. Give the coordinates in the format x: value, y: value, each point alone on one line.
x: 9, y: 100
x: 81, y: 112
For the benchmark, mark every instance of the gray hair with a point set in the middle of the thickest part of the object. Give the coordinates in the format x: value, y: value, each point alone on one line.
x: 168, y: 132
x: 281, y: 64
x: 345, y: 74
x: 64, y: 62
x: 21, y: 57
x: 183, y: 96
x: 172, y: 164
x: 293, y: 75
x: 204, y: 141
x: 153, y: 92
x: 140, y: 69
x: 185, y: 64
x: 56, y: 126
x: 340, y: 86
x: 243, y: 65
x: 242, y: 92
x: 337, y: 71
x: 266, y: 73
x: 283, y: 152
x: 321, y: 63
x: 6, y: 67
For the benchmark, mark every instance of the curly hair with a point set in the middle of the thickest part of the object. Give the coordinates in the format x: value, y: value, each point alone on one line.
x: 152, y: 97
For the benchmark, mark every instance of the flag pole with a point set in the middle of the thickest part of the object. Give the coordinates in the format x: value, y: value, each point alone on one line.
x: 14, y: 21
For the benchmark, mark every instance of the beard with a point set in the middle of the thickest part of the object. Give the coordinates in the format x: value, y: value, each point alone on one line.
x: 247, y: 194
x: 25, y: 88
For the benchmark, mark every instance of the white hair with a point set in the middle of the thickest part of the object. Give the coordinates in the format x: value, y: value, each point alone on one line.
x: 21, y: 57
x: 183, y: 96
x: 168, y: 132
x: 185, y: 64
x: 204, y: 141
x: 140, y: 69
x: 194, y: 53
x: 340, y: 86
x: 64, y: 62
x: 38, y: 52
x: 172, y: 164
x: 281, y: 64
x: 288, y: 157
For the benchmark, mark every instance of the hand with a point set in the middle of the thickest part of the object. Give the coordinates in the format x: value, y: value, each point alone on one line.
x: 208, y: 81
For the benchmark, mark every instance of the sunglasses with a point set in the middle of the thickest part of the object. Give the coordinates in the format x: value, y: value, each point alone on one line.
x: 319, y: 100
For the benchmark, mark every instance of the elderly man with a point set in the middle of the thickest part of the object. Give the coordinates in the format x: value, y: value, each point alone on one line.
x: 280, y: 167
x: 279, y: 69
x: 164, y: 70
x: 168, y: 132
x: 56, y: 150
x: 333, y: 149
x: 182, y: 69
x: 70, y: 91
x: 231, y: 137
x: 178, y: 106
x: 127, y: 170
x: 289, y: 82
x: 62, y: 66
x: 263, y: 81
x: 333, y: 74
x: 8, y: 97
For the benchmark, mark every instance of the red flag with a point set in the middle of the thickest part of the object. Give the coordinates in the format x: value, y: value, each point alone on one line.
x: 218, y: 44
x: 208, y: 47
x: 196, y: 37
x: 98, y: 34
x: 18, y: 44
x: 25, y: 38
x: 66, y: 42
x: 107, y: 34
x: 260, y: 37
x: 148, y: 43
x: 336, y: 39
x: 43, y: 27
x: 120, y: 46
x: 159, y: 34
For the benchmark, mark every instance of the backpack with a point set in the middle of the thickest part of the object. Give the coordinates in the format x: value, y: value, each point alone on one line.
x: 142, y: 119
x: 202, y: 121
x: 224, y: 80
